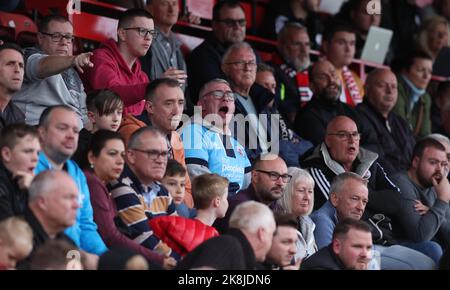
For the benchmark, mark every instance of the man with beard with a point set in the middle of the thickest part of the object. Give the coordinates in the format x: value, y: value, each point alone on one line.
x: 394, y: 135
x: 269, y: 178
x: 291, y: 62
x: 312, y: 120
x: 424, y: 212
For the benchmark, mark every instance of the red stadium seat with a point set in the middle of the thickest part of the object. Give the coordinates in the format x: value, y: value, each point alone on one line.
x: 17, y: 21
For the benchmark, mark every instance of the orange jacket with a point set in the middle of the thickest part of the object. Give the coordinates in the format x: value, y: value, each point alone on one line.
x: 130, y: 124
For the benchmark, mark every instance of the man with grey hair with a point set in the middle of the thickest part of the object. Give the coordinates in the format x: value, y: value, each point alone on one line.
x: 138, y: 194
x: 58, y: 134
x: 348, y: 199
x: 291, y: 62
x: 248, y: 241
x: 347, y: 186
x: 208, y: 144
x: 254, y: 103
x: 52, y: 206
x: 239, y: 66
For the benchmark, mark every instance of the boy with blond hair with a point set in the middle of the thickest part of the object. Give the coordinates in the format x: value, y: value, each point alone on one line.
x: 210, y: 192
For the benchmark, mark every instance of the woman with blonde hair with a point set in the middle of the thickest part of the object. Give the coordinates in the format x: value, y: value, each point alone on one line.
x: 433, y: 35
x: 298, y: 199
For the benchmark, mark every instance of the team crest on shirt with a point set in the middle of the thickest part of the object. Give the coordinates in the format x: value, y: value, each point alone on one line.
x: 240, y: 151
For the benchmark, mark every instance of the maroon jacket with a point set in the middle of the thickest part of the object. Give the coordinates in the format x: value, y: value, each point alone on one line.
x: 104, y: 213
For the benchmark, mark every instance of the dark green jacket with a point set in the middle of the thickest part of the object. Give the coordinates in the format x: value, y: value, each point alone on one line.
x: 402, y: 109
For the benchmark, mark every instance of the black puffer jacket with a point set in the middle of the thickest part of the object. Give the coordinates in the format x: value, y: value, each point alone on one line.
x: 12, y: 199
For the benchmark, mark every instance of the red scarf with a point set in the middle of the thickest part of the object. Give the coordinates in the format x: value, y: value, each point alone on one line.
x: 301, y: 78
x: 352, y: 94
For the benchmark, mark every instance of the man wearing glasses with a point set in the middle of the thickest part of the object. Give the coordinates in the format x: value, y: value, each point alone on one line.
x: 269, y: 178
x: 339, y: 153
x: 163, y: 109
x: 50, y: 75
x: 116, y: 64
x: 208, y: 144
x: 256, y: 104
x: 138, y: 194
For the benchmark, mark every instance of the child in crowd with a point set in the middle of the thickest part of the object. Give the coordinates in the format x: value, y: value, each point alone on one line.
x: 57, y: 255
x: 175, y: 180
x: 182, y: 235
x: 16, y: 242
x: 105, y: 109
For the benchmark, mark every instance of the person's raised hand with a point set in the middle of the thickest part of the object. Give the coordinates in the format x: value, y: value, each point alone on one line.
x: 83, y: 60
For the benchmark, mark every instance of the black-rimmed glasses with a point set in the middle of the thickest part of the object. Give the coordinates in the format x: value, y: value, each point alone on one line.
x: 57, y: 37
x: 274, y: 176
x: 143, y: 32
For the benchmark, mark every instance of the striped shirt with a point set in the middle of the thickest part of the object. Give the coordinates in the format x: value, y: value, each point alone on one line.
x: 136, y: 205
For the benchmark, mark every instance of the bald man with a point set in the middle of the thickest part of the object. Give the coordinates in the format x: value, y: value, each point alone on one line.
x: 394, y: 135
x: 52, y: 206
x: 269, y: 177
x: 339, y: 153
